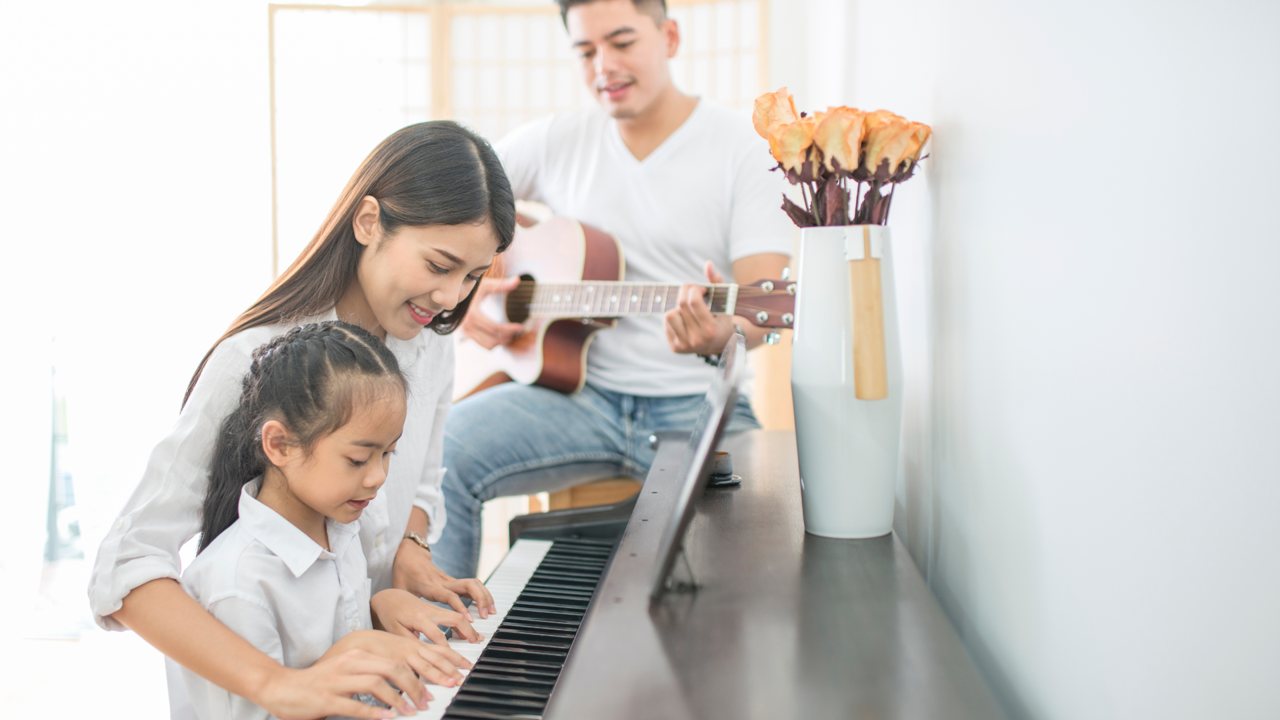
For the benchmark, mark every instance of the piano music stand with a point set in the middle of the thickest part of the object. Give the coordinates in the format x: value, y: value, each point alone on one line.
x: 695, y: 468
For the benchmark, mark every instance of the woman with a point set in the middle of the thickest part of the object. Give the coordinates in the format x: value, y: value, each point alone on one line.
x: 401, y: 251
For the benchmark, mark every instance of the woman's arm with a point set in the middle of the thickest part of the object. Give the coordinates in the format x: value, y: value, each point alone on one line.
x: 164, y: 615
x: 414, y: 571
x: 412, y: 568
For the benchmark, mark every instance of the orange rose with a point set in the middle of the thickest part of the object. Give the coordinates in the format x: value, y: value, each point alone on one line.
x: 888, y: 138
x: 916, y: 146
x: 838, y: 135
x: 775, y: 108
x: 771, y: 111
x: 793, y: 142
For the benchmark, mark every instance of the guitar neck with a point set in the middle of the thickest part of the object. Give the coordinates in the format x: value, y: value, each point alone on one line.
x: 600, y: 298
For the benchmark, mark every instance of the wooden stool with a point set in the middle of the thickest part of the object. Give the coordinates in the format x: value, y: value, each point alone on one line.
x: 598, y: 492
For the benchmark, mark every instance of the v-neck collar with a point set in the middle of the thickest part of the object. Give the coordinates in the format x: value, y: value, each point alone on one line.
x: 664, y: 147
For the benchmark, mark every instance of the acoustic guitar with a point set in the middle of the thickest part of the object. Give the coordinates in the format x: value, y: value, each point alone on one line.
x: 571, y: 287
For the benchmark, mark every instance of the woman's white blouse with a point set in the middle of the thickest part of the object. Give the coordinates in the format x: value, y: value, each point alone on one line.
x: 275, y: 587
x: 164, y: 511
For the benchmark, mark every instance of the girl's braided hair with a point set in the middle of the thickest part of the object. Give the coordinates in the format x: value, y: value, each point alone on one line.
x: 312, y: 379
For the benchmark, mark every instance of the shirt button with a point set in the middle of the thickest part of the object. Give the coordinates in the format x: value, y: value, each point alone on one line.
x: 354, y: 625
x: 377, y: 541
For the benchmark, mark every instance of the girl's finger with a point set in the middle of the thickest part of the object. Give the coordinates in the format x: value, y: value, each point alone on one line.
x: 378, y: 687
x: 431, y: 674
x: 445, y: 658
x: 460, y: 624
x: 372, y: 673
x: 347, y: 707
x: 430, y: 629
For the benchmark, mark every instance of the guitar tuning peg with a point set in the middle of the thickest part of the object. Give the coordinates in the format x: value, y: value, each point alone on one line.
x: 786, y: 273
x: 767, y: 286
x: 773, y: 337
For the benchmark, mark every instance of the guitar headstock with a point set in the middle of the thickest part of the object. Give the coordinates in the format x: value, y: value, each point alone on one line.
x: 767, y: 303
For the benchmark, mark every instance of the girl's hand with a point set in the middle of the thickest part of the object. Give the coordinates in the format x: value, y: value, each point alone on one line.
x: 414, y: 571
x: 326, y: 688
x: 433, y: 663
x: 403, y: 613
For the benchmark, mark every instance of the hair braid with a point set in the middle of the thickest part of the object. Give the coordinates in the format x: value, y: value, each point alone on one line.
x: 308, y: 379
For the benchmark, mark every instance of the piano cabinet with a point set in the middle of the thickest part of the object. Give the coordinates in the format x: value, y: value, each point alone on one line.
x: 781, y: 625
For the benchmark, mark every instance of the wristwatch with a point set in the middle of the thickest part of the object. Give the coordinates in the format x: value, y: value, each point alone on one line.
x: 418, y: 539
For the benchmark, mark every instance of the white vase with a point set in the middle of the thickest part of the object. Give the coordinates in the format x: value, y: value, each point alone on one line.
x: 848, y: 409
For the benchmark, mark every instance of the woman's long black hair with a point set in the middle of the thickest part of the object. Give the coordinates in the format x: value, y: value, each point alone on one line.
x: 431, y: 173
x: 312, y: 379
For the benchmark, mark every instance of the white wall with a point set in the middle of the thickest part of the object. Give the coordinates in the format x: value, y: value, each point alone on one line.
x: 135, y: 191
x: 1091, y: 326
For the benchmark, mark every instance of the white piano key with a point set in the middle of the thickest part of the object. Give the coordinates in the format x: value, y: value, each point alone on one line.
x: 505, y: 584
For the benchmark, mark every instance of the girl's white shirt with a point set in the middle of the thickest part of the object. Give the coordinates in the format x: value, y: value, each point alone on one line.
x: 278, y: 589
x: 164, y: 511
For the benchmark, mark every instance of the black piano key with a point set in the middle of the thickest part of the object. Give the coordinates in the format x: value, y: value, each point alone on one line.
x: 496, y: 667
x: 516, y: 673
x: 496, y: 703
x: 528, y: 693
x: 471, y: 714
x: 509, y: 664
x: 541, y: 629
x: 556, y: 598
x: 561, y: 621
x: 558, y: 591
x: 499, y: 678
x: 520, y: 653
x: 529, y: 640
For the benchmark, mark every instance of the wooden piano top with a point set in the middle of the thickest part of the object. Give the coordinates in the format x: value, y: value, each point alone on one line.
x: 784, y: 624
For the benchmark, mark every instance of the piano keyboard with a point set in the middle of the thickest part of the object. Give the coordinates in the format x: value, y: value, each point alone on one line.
x: 542, y: 589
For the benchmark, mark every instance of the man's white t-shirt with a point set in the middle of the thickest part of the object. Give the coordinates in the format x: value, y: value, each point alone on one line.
x: 706, y: 193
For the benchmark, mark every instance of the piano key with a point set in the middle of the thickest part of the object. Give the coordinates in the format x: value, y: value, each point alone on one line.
x: 542, y: 590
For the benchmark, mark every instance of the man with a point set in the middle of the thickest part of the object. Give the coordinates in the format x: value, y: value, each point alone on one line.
x: 685, y: 187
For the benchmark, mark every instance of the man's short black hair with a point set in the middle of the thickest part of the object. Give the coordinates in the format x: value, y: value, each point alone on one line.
x: 656, y: 9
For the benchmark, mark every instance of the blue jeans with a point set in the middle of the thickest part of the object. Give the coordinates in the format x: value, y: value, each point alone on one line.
x: 522, y: 439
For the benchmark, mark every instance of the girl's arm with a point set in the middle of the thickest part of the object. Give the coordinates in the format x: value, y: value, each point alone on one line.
x: 164, y: 615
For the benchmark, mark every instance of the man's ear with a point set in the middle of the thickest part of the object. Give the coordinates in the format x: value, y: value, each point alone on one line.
x: 365, y: 223
x: 671, y: 31
x: 278, y: 443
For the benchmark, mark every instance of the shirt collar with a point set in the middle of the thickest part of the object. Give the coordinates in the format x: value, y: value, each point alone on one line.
x: 284, y: 539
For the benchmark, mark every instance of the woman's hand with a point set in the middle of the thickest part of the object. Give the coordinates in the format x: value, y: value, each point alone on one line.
x: 433, y: 663
x: 403, y: 613
x: 327, y: 687
x: 413, y: 571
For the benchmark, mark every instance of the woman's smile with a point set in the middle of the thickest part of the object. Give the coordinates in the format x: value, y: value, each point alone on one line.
x: 421, y: 315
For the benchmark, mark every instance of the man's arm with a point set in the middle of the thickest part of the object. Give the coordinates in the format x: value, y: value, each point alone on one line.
x: 691, y: 328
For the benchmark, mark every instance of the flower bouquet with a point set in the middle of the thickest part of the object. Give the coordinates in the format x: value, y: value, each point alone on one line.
x: 827, y: 152
x: 846, y: 360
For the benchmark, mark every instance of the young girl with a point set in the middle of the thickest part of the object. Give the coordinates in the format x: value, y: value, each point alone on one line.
x: 400, y: 251
x: 294, y: 466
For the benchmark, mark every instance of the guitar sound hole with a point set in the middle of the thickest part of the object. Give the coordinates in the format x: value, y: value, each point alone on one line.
x: 518, y: 300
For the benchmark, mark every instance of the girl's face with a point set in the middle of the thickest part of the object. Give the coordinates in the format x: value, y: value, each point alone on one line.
x: 408, y: 277
x: 345, y: 468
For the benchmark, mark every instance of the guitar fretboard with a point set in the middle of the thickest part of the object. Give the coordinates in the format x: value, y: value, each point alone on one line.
x: 613, y: 299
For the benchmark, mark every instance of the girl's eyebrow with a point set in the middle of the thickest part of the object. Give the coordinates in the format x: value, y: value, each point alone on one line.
x: 374, y: 443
